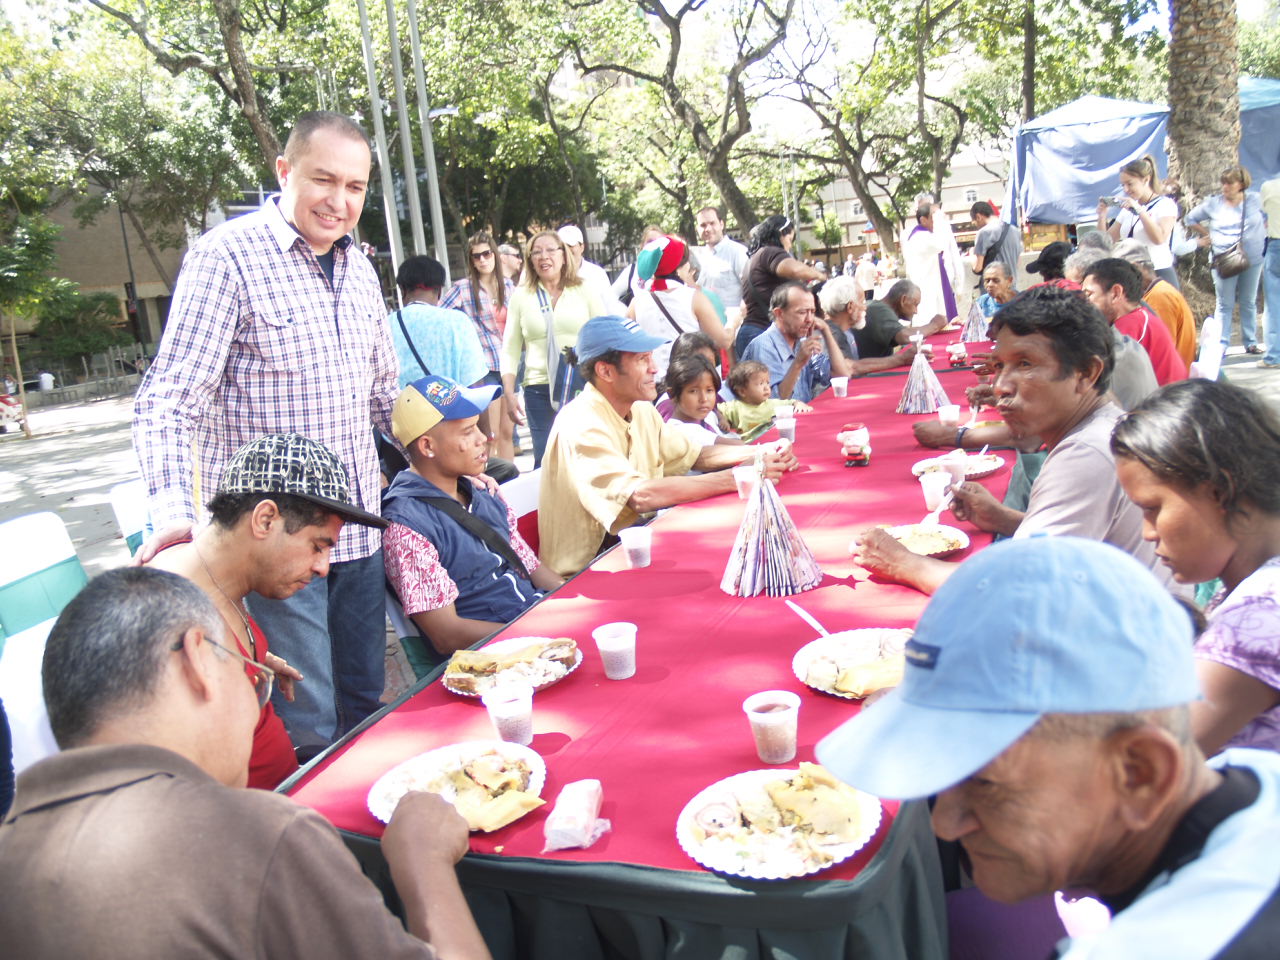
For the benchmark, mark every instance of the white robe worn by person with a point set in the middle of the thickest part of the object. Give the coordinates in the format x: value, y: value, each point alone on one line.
x: 920, y: 257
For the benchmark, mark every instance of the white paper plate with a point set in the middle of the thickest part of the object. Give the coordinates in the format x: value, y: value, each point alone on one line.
x: 959, y: 535
x: 723, y: 858
x: 861, y: 646
x: 510, y: 645
x: 975, y: 467
x: 417, y: 771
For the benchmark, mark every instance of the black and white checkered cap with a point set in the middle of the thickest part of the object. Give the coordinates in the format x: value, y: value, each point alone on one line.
x: 299, y: 466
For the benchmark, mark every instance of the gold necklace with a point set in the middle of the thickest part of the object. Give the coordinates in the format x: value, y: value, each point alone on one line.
x: 238, y: 607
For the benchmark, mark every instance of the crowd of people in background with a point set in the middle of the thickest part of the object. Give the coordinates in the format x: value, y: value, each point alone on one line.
x: 641, y: 391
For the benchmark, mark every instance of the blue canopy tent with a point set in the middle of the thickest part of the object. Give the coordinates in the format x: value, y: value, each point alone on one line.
x: 1063, y: 161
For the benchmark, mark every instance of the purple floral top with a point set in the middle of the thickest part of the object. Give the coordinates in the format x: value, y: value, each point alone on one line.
x: 1244, y: 634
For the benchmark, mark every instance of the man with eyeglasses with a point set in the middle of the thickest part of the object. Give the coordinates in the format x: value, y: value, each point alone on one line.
x: 278, y: 325
x: 135, y: 840
x: 274, y: 520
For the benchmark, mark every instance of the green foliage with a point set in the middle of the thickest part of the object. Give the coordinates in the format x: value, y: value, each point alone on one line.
x: 26, y: 258
x: 73, y: 326
x: 828, y: 231
x: 1260, y: 48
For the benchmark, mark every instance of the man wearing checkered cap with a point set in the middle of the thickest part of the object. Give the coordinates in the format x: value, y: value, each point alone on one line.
x: 611, y: 459
x: 279, y: 509
x: 278, y: 325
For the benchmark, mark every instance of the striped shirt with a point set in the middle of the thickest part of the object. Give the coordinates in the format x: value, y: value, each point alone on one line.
x: 259, y: 342
x: 486, y: 321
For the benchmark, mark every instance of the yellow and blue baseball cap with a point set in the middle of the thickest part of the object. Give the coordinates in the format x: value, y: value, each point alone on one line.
x: 1022, y: 629
x: 431, y: 400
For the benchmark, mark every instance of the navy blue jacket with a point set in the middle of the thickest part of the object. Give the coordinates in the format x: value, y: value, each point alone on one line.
x: 488, y: 587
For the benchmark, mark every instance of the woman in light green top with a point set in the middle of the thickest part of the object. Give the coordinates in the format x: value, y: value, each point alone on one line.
x: 551, y: 288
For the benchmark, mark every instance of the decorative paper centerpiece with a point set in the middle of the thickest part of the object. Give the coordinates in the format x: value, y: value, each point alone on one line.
x: 769, y: 556
x: 975, y: 325
x: 923, y: 393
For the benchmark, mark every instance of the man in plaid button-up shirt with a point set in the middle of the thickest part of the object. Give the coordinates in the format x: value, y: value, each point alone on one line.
x: 277, y: 326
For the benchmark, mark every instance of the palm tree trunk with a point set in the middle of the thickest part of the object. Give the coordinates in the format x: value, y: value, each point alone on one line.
x: 1204, y: 114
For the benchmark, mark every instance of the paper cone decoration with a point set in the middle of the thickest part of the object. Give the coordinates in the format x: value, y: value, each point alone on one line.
x: 923, y: 393
x: 975, y: 325
x: 768, y: 555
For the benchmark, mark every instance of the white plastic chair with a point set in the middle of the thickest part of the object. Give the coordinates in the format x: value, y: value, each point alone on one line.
x: 36, y: 582
x: 1209, y: 362
x: 521, y: 495
x: 129, y: 504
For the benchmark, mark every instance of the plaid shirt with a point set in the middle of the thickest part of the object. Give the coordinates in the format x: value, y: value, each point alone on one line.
x: 486, y: 324
x: 258, y: 342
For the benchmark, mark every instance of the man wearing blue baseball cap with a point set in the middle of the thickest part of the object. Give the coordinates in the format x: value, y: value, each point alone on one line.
x: 611, y: 458
x: 452, y: 551
x: 1044, y: 702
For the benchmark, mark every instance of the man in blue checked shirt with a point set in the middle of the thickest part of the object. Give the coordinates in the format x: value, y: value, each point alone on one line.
x: 278, y: 325
x: 798, y: 367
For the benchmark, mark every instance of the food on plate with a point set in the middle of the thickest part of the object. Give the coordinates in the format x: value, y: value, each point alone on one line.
x: 928, y: 539
x: 791, y: 821
x: 974, y: 465
x: 489, y: 790
x: 864, y: 679
x: 539, y: 662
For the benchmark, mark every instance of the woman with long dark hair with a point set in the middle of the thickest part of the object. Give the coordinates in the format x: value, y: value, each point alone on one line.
x: 483, y: 295
x: 1200, y: 458
x: 769, y: 265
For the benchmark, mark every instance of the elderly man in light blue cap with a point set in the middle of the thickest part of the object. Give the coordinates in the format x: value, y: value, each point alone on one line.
x: 611, y: 458
x: 1045, y: 704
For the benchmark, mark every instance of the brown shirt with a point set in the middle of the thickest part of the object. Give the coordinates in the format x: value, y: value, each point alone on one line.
x: 133, y: 851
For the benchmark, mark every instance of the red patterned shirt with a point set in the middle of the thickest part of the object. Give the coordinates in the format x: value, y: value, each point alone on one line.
x: 420, y: 579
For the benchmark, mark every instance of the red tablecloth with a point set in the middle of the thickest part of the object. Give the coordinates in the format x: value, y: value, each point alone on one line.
x: 677, y: 726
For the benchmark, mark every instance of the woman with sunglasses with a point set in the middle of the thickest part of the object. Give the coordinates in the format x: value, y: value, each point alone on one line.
x: 483, y: 295
x: 552, y: 297
x: 1200, y: 457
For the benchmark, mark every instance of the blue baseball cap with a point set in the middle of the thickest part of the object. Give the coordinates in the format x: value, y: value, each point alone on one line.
x: 431, y: 400
x: 599, y: 335
x: 1024, y: 628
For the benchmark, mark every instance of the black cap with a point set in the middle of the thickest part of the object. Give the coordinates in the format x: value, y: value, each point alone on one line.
x: 1053, y: 256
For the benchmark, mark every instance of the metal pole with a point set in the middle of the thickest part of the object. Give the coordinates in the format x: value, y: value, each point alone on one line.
x: 406, y: 141
x: 428, y: 144
x: 144, y: 336
x: 380, y: 137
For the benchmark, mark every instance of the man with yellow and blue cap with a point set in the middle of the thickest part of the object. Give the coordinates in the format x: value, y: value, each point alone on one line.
x: 452, y: 551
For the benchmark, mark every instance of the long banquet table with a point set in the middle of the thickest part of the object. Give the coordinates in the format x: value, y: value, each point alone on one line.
x: 677, y: 726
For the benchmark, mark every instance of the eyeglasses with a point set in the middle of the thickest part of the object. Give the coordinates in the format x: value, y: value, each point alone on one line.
x: 263, y: 678
x: 481, y: 254
x: 548, y: 252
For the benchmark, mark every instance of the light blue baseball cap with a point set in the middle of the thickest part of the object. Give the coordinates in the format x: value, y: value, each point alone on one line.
x: 599, y: 335
x: 1024, y: 628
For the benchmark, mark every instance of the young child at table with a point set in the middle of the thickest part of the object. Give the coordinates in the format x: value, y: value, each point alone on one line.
x: 694, y: 386
x: 694, y: 343
x: 753, y: 408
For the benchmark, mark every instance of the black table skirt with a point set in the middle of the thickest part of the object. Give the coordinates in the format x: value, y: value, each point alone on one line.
x: 532, y: 909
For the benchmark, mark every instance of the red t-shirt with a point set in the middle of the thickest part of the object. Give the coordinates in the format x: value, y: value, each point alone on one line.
x: 1150, y: 331
x: 272, y: 759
